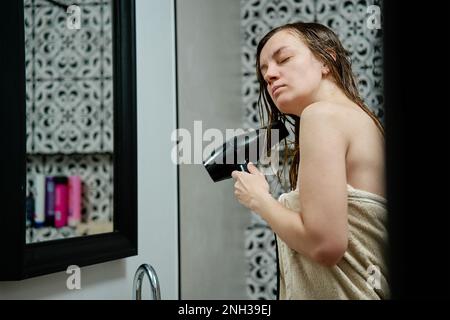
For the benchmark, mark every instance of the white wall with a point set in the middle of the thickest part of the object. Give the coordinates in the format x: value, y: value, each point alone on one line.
x: 157, y: 184
x: 212, y: 222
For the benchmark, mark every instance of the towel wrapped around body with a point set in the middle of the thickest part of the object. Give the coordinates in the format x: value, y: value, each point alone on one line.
x: 362, y: 271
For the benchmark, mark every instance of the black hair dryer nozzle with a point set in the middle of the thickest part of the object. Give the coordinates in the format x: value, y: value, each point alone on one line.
x: 241, y: 149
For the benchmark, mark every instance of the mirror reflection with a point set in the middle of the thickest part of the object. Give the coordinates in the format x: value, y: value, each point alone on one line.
x: 69, y: 118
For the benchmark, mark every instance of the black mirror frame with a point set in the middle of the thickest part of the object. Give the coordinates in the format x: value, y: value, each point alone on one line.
x: 20, y: 260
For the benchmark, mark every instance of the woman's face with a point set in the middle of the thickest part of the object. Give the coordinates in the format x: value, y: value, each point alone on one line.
x: 291, y: 72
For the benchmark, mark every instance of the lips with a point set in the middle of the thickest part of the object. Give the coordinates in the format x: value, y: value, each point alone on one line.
x: 275, y: 89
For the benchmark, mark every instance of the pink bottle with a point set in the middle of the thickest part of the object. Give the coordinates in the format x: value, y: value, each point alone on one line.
x: 74, y: 200
x: 61, y: 201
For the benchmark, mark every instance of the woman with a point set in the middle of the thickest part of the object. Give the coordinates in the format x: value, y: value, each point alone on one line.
x: 331, y: 228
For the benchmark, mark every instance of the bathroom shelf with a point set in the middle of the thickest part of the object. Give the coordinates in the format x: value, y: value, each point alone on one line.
x: 97, y: 175
x: 35, y: 235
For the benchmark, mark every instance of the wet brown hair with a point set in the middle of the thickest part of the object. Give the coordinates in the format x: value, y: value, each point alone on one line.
x: 323, y: 43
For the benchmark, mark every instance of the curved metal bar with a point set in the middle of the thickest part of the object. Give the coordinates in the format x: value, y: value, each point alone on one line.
x: 146, y: 269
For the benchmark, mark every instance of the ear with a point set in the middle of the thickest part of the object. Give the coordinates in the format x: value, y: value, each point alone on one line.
x: 325, y: 68
x: 332, y: 53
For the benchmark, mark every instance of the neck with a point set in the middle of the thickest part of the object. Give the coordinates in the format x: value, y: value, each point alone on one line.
x: 327, y: 91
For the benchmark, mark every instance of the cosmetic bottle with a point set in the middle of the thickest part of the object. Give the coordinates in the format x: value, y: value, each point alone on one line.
x: 49, y: 202
x: 74, y: 200
x: 39, y: 207
x: 61, y: 201
x: 29, y: 209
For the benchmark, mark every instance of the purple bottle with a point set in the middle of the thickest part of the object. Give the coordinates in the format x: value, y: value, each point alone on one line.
x: 49, y: 202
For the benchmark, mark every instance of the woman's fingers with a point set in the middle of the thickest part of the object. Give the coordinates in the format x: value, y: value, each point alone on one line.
x: 235, y: 174
x: 252, y: 169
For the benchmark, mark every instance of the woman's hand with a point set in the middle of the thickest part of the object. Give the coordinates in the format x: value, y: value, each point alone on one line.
x: 250, y: 187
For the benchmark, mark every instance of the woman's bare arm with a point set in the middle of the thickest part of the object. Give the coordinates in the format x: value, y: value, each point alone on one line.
x: 320, y: 230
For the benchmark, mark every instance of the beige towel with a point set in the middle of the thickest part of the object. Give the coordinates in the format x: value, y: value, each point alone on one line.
x: 360, y: 274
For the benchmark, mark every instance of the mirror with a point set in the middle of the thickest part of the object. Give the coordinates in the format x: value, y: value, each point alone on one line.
x: 69, y: 113
x: 67, y: 117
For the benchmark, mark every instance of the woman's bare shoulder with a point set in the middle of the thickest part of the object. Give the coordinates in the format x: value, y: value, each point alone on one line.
x: 339, y: 115
x: 320, y: 124
x: 322, y: 108
x: 348, y: 116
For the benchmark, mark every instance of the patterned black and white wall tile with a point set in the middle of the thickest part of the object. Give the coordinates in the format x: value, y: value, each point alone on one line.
x: 34, y: 235
x: 69, y: 102
x: 349, y: 20
x: 69, y: 78
x: 260, y: 254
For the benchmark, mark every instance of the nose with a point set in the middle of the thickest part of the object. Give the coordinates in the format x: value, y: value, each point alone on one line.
x: 271, y: 74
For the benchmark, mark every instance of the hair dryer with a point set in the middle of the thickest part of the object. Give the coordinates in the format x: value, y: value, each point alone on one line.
x: 241, y: 149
